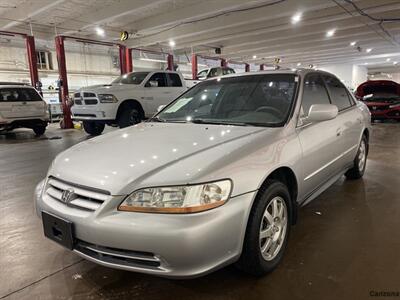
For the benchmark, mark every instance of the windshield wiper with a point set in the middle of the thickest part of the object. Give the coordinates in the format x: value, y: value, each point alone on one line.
x: 202, y: 121
x: 156, y: 119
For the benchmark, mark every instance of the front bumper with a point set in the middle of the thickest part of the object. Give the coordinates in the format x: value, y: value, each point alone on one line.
x: 179, y: 246
x: 391, y: 113
x: 101, y: 112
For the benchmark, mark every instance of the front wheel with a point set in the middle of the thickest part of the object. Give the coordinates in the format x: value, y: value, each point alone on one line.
x: 358, y: 169
x: 93, y: 128
x: 39, y: 130
x: 267, y: 230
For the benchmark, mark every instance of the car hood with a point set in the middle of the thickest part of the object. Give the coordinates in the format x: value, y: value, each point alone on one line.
x: 107, y: 88
x: 132, y: 155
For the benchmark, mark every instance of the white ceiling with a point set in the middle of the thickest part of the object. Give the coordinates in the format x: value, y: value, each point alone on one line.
x: 242, y: 28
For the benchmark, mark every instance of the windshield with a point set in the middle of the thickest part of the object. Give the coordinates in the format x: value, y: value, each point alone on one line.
x: 131, y: 78
x: 257, y: 100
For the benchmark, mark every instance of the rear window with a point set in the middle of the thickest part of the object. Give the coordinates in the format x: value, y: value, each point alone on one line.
x: 19, y: 94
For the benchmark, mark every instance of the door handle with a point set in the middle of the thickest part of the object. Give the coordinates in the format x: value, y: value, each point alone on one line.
x: 339, y: 132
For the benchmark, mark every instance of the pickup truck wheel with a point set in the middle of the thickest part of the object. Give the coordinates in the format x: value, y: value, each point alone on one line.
x: 357, y: 171
x: 93, y: 128
x: 129, y: 116
x: 267, y: 230
x: 39, y: 130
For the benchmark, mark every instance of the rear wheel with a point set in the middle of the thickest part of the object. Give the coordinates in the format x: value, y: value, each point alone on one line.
x: 357, y: 171
x: 39, y: 130
x: 93, y: 128
x: 130, y: 115
x: 267, y: 230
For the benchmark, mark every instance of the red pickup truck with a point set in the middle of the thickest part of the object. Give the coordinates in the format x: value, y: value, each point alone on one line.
x: 382, y: 98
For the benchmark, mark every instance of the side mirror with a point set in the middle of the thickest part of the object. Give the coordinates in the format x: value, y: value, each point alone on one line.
x: 153, y: 83
x: 322, y: 112
x: 160, y: 108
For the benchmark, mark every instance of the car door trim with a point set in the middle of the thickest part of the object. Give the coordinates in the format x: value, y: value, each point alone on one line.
x: 329, y: 163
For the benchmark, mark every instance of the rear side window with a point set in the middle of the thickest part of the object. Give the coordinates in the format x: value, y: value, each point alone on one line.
x: 174, y: 80
x: 19, y: 94
x: 160, y: 78
x: 338, y: 92
x: 314, y: 93
x: 227, y: 71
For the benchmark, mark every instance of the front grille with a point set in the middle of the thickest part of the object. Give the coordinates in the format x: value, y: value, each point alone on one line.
x: 89, y: 95
x: 90, y: 101
x: 121, y: 257
x: 380, y: 107
x: 394, y: 113
x: 82, y: 198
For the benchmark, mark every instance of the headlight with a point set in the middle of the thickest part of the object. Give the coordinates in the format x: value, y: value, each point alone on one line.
x: 107, y: 98
x: 394, y: 105
x: 39, y: 189
x: 178, y: 199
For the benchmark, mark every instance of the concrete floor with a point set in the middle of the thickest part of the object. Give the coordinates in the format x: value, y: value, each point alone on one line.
x: 345, y: 245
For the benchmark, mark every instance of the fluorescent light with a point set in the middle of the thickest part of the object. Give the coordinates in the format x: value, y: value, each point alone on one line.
x: 298, y: 64
x: 171, y: 43
x: 254, y: 56
x: 395, y: 62
x: 100, y: 31
x: 296, y: 18
x: 368, y: 50
x: 353, y: 43
x: 388, y: 59
x: 152, y: 59
x: 365, y: 63
x: 330, y: 33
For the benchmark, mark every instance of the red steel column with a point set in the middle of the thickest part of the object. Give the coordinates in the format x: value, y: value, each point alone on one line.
x: 128, y: 60
x: 223, y: 62
x: 246, y: 67
x: 194, y: 66
x: 170, y: 62
x: 122, y: 62
x: 32, y: 61
x: 262, y: 67
x: 62, y: 70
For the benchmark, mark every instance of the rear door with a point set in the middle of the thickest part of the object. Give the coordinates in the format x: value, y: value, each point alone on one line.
x: 155, y: 96
x: 320, y: 141
x: 21, y: 102
x: 175, y: 85
x: 349, y: 118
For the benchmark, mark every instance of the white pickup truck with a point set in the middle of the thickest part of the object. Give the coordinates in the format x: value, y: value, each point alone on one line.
x: 127, y: 100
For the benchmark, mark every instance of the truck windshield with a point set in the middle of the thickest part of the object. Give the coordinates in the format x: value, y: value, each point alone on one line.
x: 256, y: 100
x: 131, y: 78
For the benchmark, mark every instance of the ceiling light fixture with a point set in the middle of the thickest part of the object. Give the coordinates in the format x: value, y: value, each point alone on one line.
x: 298, y: 64
x: 254, y: 56
x: 330, y: 33
x: 395, y: 62
x: 171, y: 43
x: 353, y: 43
x: 100, y: 31
x: 368, y: 50
x: 388, y: 59
x: 296, y: 18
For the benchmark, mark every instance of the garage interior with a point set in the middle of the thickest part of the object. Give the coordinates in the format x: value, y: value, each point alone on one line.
x: 345, y: 244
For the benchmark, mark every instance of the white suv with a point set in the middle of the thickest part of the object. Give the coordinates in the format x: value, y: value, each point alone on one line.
x: 127, y: 100
x: 22, y: 106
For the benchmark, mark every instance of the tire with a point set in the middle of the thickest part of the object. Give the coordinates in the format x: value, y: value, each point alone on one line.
x: 253, y: 260
x: 93, y: 128
x: 39, y: 130
x: 130, y: 115
x: 360, y: 161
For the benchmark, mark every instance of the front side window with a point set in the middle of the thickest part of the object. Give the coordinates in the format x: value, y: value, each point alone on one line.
x: 19, y: 94
x: 258, y: 100
x: 160, y: 78
x: 227, y: 71
x: 314, y: 92
x: 338, y: 92
x: 202, y: 74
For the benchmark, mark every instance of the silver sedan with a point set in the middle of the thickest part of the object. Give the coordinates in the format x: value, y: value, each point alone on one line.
x: 216, y: 177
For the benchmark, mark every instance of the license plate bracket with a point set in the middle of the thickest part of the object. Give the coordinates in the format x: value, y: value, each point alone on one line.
x: 58, y: 230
